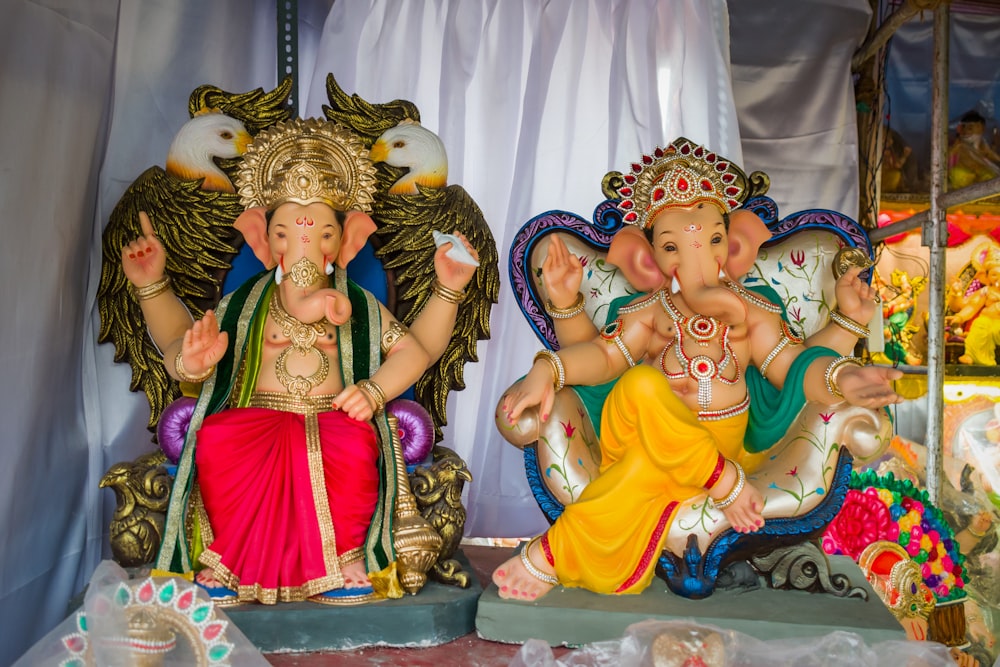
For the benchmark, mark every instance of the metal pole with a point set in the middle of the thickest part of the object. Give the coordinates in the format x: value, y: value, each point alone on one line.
x: 935, y: 235
x: 288, y: 48
x: 966, y: 195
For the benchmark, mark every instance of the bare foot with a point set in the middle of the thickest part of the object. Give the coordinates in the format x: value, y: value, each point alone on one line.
x: 355, y: 575
x: 206, y: 577
x: 516, y: 582
x: 743, y: 511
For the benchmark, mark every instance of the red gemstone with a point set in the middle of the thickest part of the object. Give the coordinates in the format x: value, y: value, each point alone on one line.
x: 682, y: 184
x: 625, y: 192
x: 698, y: 152
x: 728, y: 178
x: 702, y: 367
x: 685, y: 149
x: 74, y: 643
x: 647, y: 160
x: 710, y: 157
x: 636, y: 167
x: 658, y: 194
x: 185, y: 600
x: 212, y: 631
x: 146, y: 592
x: 732, y: 190
x: 631, y: 217
x: 630, y: 179
x: 658, y: 152
x: 627, y: 204
x: 706, y: 185
x: 733, y: 203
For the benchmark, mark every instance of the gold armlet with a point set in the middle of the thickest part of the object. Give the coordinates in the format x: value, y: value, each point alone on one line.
x: 833, y: 370
x: 556, y: 365
x: 393, y: 334
x: 849, y: 325
x: 787, y: 337
x: 565, y: 313
x: 447, y: 294
x: 734, y: 493
x: 612, y: 334
x: 187, y: 377
x: 152, y: 289
x: 376, y: 393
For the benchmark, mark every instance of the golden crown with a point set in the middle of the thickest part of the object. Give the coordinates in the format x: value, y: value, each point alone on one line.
x: 682, y: 174
x: 307, y: 161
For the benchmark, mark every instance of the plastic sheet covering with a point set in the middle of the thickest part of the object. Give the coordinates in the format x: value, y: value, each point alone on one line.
x: 689, y: 644
x: 168, y: 617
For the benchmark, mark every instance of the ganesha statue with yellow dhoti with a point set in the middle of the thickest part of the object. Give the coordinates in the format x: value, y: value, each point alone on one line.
x: 679, y: 362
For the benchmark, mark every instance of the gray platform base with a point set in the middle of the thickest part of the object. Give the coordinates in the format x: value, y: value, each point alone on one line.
x: 436, y: 615
x: 573, y: 617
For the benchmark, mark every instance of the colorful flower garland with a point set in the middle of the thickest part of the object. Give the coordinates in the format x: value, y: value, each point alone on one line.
x: 884, y: 508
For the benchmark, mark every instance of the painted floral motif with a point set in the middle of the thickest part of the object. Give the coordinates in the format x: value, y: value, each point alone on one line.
x: 563, y: 450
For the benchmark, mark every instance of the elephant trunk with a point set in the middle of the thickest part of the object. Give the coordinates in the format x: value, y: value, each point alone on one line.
x: 306, y: 297
x: 702, y: 289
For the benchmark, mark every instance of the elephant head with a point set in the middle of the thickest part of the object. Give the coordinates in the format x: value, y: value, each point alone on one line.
x: 685, y: 230
x: 305, y: 242
x: 692, y: 250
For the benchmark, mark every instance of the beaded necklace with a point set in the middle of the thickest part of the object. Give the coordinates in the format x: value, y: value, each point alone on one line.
x: 701, y: 367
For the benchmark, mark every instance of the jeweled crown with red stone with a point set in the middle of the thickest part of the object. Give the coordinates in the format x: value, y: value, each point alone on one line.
x: 682, y: 174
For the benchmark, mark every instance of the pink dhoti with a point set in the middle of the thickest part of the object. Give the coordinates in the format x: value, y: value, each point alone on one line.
x: 289, y: 498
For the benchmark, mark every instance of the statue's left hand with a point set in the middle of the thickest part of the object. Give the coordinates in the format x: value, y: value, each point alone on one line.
x: 354, y: 402
x: 203, y: 345
x: 451, y: 273
x: 869, y: 386
x: 855, y: 298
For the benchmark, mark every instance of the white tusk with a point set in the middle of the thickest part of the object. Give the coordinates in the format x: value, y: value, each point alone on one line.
x: 329, y: 268
x: 279, y: 275
x: 675, y: 286
x: 722, y: 274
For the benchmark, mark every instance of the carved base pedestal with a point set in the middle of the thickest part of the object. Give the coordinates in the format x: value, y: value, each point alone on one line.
x: 569, y: 616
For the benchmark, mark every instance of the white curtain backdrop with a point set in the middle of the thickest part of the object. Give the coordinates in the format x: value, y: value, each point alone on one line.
x: 535, y: 101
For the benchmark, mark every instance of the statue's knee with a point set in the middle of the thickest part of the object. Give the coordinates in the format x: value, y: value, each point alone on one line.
x: 521, y: 432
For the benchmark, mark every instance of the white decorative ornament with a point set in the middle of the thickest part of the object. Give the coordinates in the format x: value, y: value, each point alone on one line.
x: 458, y: 251
x: 279, y: 274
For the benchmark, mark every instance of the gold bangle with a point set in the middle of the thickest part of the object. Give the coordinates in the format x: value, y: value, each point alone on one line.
x: 565, y: 313
x: 375, y: 391
x: 849, y: 325
x: 555, y: 363
x: 532, y: 569
x: 446, y: 293
x: 976, y: 535
x: 734, y: 493
x: 152, y: 289
x: 834, y: 369
x: 187, y: 377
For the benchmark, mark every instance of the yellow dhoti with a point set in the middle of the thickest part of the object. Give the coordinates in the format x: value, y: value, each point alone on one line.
x: 655, y: 454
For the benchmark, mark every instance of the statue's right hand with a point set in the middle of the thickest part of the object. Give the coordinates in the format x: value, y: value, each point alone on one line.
x: 535, y: 389
x: 562, y: 274
x: 144, y: 260
x: 203, y: 345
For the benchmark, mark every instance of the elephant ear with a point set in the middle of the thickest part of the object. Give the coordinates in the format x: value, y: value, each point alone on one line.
x: 252, y: 223
x: 358, y: 226
x: 747, y: 233
x: 633, y: 254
